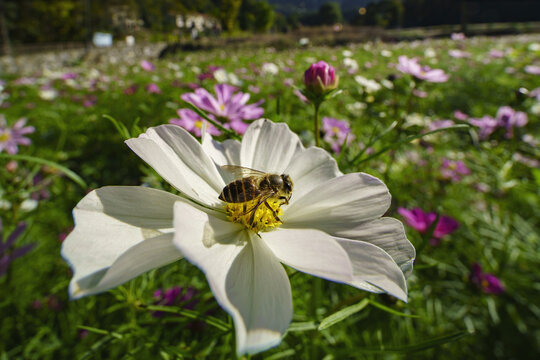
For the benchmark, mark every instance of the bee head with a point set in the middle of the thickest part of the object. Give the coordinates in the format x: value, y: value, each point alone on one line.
x: 287, y: 183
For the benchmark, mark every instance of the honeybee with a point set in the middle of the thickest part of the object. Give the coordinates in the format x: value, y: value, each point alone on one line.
x: 250, y: 184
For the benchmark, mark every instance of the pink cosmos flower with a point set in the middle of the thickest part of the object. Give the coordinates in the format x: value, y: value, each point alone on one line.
x: 489, y: 283
x: 227, y: 106
x: 460, y: 115
x: 454, y: 170
x: 421, y: 221
x: 532, y: 69
x: 486, y: 125
x: 189, y: 120
x: 496, y: 54
x: 147, y: 65
x: 412, y: 67
x: 336, y: 132
x: 177, y: 295
x: 508, y: 118
x: 457, y: 36
x: 11, y: 137
x: 152, y: 88
x: 419, y: 93
x: 320, y: 78
x: 459, y: 54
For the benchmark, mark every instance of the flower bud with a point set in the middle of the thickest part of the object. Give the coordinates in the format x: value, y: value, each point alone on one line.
x: 320, y: 78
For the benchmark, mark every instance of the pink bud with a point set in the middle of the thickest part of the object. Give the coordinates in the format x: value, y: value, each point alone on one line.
x: 320, y: 78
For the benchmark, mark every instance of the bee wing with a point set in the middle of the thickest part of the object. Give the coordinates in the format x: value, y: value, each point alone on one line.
x: 240, y: 172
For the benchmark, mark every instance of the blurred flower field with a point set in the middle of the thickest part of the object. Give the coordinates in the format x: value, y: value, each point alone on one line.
x: 450, y: 125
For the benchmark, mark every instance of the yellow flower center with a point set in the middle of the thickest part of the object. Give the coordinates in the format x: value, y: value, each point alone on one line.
x: 263, y: 217
x: 198, y: 124
x: 5, y: 136
x: 335, y: 130
x: 222, y: 107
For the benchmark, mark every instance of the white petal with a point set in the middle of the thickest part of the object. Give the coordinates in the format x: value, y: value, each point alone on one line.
x: 309, y: 169
x: 311, y: 251
x: 388, y: 234
x: 337, y: 203
x: 372, y: 265
x: 245, y: 277
x: 181, y: 161
x: 269, y: 146
x: 110, y: 226
x: 224, y: 153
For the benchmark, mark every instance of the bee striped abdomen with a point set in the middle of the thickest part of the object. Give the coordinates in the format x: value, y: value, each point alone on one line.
x: 240, y: 191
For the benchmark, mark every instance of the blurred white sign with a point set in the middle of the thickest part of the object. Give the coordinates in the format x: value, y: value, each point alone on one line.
x: 102, y: 39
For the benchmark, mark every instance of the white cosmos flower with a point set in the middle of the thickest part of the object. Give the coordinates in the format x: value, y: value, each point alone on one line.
x: 332, y: 227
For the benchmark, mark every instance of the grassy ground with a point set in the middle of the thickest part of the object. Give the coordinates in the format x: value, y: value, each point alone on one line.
x: 448, y: 316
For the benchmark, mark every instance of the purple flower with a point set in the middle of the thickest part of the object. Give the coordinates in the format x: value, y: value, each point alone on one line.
x: 175, y: 296
x: 419, y: 93
x: 412, y: 67
x: 496, y: 54
x: 532, y: 69
x: 421, y: 221
x: 147, y: 65
x: 69, y: 76
x: 320, y: 78
x: 454, y: 170
x: 152, y: 88
x: 439, y: 124
x: 131, y: 90
x: 227, y: 106
x: 7, y: 253
x: 508, y: 118
x: 489, y: 283
x: 11, y: 137
x: 486, y: 125
x: 189, y: 120
x: 336, y: 132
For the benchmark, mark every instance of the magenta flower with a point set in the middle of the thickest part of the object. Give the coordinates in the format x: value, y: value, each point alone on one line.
x: 7, y: 253
x: 489, y: 283
x: 189, y: 120
x: 532, y: 69
x: 131, y: 90
x: 412, y: 67
x: 152, y: 88
x: 486, y: 125
x: 11, y: 137
x: 454, y: 170
x: 336, y: 132
x: 421, y: 221
x: 227, y: 106
x: 496, y: 54
x: 186, y: 297
x: 320, y: 78
x: 508, y: 118
x: 147, y: 65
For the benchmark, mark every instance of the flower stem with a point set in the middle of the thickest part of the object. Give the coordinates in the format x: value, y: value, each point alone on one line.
x: 316, y: 119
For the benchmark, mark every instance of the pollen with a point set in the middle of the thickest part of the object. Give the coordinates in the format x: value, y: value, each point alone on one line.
x: 265, y: 217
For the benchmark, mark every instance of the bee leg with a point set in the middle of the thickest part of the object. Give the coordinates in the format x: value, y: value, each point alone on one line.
x: 273, y: 211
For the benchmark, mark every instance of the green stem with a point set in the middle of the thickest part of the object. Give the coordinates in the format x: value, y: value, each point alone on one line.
x: 317, y: 136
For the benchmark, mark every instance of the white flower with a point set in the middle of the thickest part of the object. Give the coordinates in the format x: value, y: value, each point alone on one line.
x: 369, y: 85
x: 331, y: 228
x: 270, y: 68
x: 222, y: 76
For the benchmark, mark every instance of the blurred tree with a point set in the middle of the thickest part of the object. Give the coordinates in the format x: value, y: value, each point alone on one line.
x: 256, y: 15
x: 330, y: 13
x: 229, y: 13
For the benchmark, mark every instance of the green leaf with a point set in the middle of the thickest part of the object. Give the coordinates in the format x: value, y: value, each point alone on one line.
x: 390, y: 310
x: 100, y: 331
x: 406, y: 141
x: 192, y: 314
x: 438, y: 341
x: 342, y: 314
x: 302, y: 326
x: 121, y: 128
x: 70, y: 174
